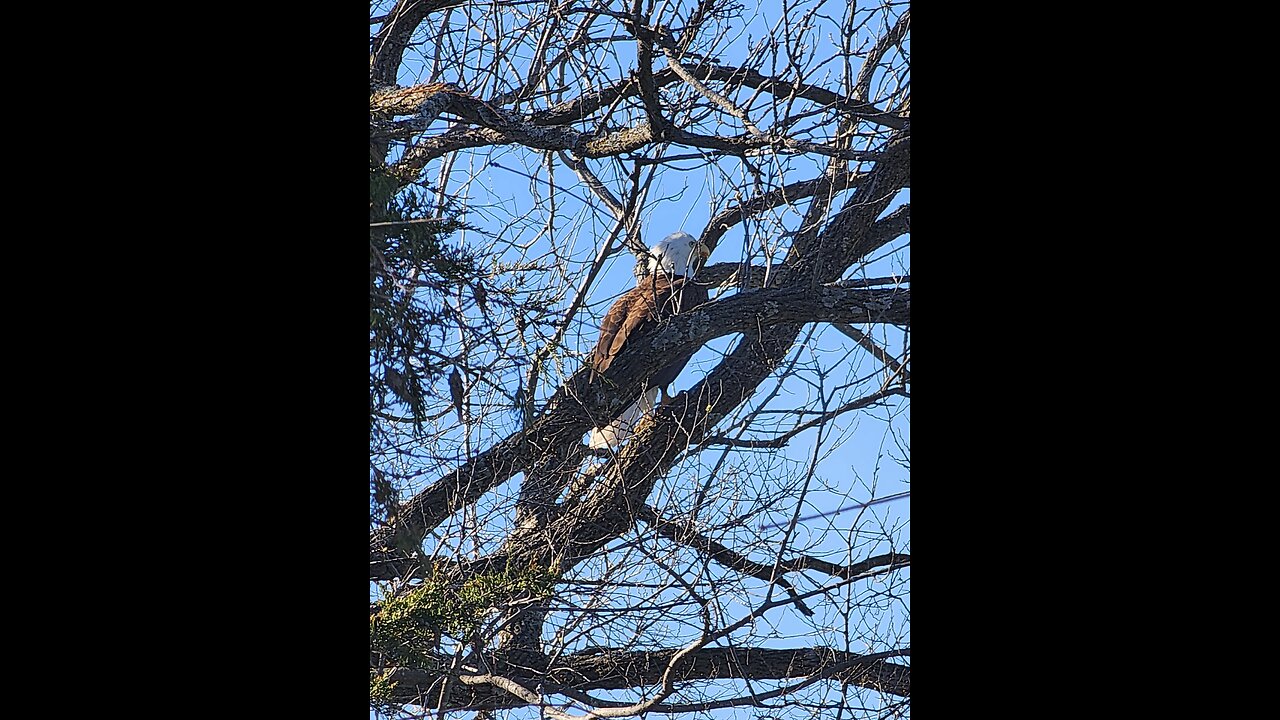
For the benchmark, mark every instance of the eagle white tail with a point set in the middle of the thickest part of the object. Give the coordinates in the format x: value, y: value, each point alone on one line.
x: 619, y: 430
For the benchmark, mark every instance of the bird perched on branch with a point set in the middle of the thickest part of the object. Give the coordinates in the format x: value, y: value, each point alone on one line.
x: 668, y: 289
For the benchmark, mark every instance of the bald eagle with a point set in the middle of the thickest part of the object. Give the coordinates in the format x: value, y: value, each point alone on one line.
x: 667, y: 290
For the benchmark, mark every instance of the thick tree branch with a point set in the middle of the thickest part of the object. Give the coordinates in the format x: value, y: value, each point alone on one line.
x: 393, y: 37
x: 580, y: 404
x: 848, y: 237
x: 862, y: 87
x: 501, y: 127
x: 777, y: 314
x: 608, y: 510
x: 611, y: 669
x: 884, y: 231
x: 584, y: 107
x: 890, y: 227
x: 778, y: 197
x: 658, y: 125
x: 685, y: 535
x: 727, y: 274
x: 584, y: 145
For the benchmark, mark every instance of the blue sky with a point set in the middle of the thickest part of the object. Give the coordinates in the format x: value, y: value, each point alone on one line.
x: 508, y: 194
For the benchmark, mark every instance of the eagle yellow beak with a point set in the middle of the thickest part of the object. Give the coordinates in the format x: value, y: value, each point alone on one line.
x: 701, y: 250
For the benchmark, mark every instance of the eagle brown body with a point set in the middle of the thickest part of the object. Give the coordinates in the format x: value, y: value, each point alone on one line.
x: 668, y: 289
x: 655, y: 299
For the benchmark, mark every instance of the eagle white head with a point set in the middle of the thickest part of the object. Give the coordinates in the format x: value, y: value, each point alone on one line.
x: 678, y: 255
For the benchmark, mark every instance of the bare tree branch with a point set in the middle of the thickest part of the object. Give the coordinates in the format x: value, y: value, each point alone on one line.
x: 783, y: 439
x: 585, y: 106
x: 862, y: 88
x: 579, y: 404
x: 609, y: 669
